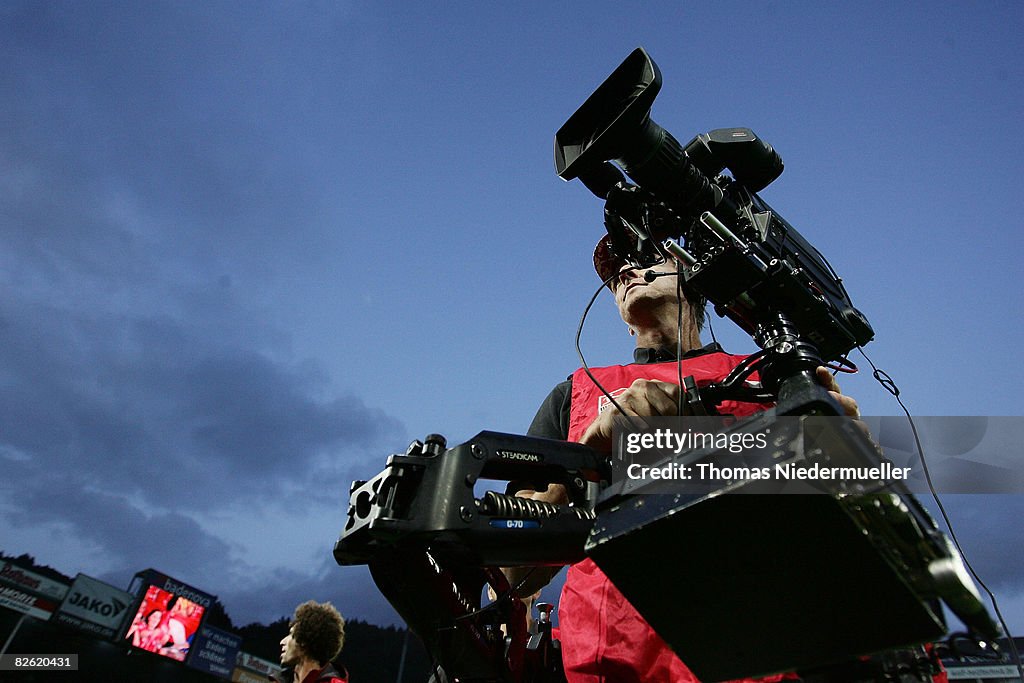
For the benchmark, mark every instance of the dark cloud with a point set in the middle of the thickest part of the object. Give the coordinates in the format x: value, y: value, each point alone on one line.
x: 160, y: 405
x: 123, y: 431
x: 131, y: 538
x: 142, y: 194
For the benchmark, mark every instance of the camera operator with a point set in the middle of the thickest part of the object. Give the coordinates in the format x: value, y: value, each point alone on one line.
x: 603, y: 637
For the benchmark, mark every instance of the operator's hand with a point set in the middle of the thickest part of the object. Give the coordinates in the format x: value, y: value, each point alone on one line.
x: 828, y: 380
x: 530, y: 580
x: 555, y: 493
x: 643, y: 398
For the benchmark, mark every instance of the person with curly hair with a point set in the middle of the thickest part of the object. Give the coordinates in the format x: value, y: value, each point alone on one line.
x: 315, y: 637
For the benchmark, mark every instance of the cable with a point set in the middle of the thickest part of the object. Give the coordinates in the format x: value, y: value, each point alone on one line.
x: 744, y: 368
x: 679, y: 339
x: 679, y: 335
x: 579, y: 351
x: 889, y: 385
x: 711, y: 329
x: 583, y: 361
x: 842, y: 364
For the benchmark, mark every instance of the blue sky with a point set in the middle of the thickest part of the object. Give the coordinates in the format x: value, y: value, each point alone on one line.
x: 250, y: 249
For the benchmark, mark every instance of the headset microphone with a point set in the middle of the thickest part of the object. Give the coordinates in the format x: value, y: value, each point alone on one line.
x: 650, y: 275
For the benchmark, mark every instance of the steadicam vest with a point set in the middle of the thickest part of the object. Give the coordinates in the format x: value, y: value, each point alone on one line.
x: 603, y: 638
x: 588, y: 400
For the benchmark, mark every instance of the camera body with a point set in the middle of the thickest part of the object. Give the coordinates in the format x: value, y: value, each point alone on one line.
x: 736, y: 251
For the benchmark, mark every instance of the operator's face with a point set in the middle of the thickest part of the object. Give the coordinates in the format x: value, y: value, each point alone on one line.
x: 634, y: 296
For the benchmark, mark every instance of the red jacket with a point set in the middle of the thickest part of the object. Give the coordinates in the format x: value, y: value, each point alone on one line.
x: 328, y: 674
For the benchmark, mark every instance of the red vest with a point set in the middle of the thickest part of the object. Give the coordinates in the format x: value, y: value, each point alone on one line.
x: 588, y: 400
x: 603, y: 638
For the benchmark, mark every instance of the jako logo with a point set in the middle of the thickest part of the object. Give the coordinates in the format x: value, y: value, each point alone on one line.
x: 106, y: 609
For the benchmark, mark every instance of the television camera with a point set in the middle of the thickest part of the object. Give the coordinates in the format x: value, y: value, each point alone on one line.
x: 737, y: 252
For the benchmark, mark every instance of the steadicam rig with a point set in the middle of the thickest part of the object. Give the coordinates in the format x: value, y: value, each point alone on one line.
x: 736, y: 251
x: 711, y: 575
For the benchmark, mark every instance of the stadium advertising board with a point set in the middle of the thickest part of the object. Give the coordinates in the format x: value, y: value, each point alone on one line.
x: 94, y: 607
x: 214, y: 651
x: 28, y: 592
x: 252, y: 669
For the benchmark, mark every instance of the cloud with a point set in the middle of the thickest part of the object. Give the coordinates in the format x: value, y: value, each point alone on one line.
x: 135, y: 432
x: 151, y: 398
x: 130, y: 400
